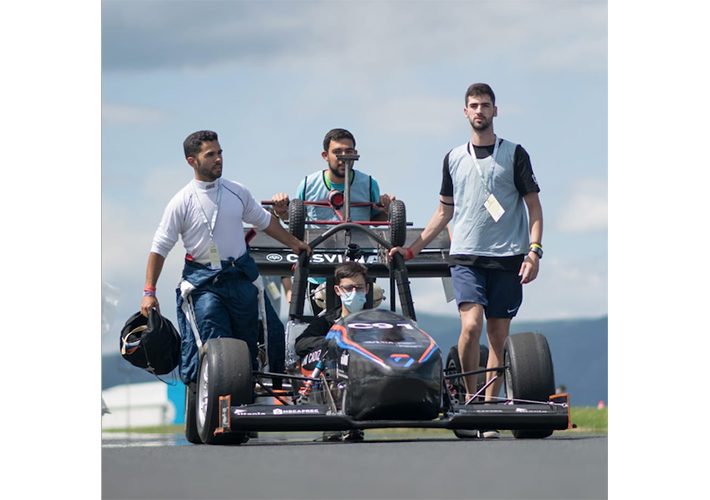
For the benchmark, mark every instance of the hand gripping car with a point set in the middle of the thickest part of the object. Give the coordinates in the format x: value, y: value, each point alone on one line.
x: 379, y: 368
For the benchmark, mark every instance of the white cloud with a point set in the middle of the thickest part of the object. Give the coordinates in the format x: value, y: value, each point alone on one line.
x: 420, y: 115
x: 586, y: 208
x: 565, y: 288
x: 350, y: 34
x: 114, y: 114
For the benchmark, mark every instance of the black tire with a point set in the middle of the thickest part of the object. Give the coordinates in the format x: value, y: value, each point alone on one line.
x: 191, y: 414
x: 225, y: 369
x: 453, y: 365
x: 297, y: 218
x: 398, y: 223
x: 529, y: 373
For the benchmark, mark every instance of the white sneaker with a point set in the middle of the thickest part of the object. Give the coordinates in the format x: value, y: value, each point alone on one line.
x: 466, y: 433
x: 489, y: 434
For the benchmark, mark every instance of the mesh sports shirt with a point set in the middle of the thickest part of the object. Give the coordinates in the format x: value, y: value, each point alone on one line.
x: 315, y: 187
x: 475, y: 236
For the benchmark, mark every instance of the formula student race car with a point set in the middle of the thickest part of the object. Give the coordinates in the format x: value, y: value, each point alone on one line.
x: 379, y: 369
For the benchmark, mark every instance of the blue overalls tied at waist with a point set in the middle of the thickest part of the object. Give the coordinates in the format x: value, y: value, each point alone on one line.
x: 225, y: 304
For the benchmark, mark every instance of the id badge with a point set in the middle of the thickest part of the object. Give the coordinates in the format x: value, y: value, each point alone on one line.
x: 494, y: 208
x: 215, y: 262
x: 273, y: 290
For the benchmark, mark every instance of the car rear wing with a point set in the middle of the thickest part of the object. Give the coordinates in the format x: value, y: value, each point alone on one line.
x: 274, y: 259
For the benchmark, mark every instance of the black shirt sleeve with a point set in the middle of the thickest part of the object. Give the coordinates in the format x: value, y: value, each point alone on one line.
x: 523, y: 174
x: 447, y: 185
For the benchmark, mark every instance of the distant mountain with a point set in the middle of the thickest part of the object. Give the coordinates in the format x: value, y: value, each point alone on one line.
x: 579, y: 352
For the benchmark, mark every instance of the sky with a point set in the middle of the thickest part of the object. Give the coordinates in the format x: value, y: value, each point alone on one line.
x: 92, y: 154
x: 272, y: 77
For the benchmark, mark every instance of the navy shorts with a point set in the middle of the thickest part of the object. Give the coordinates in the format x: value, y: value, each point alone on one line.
x: 499, y: 292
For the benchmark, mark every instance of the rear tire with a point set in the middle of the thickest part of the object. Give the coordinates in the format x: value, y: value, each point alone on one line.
x: 529, y: 374
x: 225, y: 369
x: 297, y: 218
x: 398, y: 223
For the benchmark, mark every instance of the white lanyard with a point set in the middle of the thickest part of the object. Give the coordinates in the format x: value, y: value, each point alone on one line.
x: 210, y: 227
x: 472, y: 152
x: 215, y: 262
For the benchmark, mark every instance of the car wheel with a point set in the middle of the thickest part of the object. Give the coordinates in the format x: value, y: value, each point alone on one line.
x: 191, y: 414
x: 529, y: 373
x: 297, y: 218
x: 453, y: 365
x: 225, y: 369
x: 457, y: 386
x: 398, y: 223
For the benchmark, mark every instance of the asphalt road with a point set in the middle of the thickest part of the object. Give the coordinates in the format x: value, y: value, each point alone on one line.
x: 426, y: 465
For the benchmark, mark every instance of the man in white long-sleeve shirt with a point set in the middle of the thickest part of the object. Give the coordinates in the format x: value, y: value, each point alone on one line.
x: 208, y: 214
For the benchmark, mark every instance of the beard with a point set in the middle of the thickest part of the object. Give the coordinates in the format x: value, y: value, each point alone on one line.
x: 335, y: 172
x: 484, y: 125
x: 207, y: 173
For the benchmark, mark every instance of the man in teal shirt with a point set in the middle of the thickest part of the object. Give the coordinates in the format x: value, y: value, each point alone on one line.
x: 318, y: 185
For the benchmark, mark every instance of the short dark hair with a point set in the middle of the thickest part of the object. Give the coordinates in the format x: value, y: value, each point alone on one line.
x: 337, y: 134
x: 350, y: 269
x: 193, y: 143
x: 478, y: 89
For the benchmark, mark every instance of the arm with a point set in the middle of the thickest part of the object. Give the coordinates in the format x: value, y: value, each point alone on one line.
x: 280, y: 205
x: 436, y: 224
x: 531, y: 264
x: 383, y: 207
x: 152, y: 273
x: 313, y: 337
x: 277, y: 232
x: 288, y: 286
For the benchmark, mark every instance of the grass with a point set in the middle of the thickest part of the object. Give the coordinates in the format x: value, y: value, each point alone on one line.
x: 587, y: 419
x: 591, y: 419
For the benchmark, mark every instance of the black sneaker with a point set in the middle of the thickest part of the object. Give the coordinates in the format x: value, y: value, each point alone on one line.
x: 332, y: 435
x: 466, y: 433
x: 354, y: 435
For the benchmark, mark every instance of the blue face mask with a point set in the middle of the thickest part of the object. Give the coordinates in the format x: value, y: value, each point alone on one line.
x: 353, y: 301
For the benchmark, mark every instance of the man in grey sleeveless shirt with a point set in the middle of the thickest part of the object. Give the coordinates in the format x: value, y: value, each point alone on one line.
x: 487, y: 185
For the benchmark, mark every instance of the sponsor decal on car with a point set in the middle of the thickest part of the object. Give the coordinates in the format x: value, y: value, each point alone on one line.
x: 295, y: 411
x: 333, y: 258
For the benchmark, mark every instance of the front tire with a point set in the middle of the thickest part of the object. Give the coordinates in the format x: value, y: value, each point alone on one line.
x: 225, y: 369
x: 529, y: 373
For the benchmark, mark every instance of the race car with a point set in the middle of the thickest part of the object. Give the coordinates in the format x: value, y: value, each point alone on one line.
x: 379, y: 369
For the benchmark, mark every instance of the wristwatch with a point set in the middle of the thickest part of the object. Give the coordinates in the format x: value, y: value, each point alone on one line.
x: 536, y: 249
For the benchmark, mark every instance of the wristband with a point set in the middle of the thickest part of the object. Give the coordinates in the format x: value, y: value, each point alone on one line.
x: 410, y: 254
x: 147, y: 293
x: 536, y: 249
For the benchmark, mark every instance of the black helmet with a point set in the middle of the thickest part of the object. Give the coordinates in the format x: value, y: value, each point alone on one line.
x: 150, y: 343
